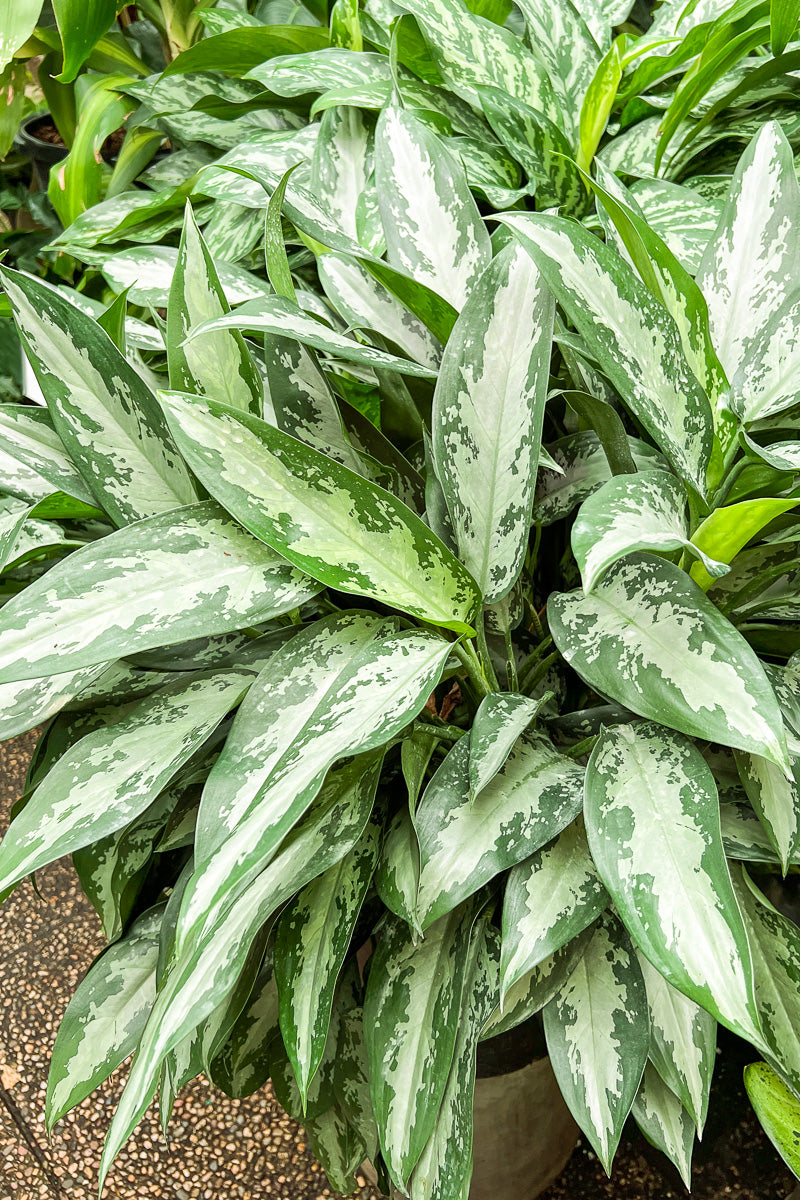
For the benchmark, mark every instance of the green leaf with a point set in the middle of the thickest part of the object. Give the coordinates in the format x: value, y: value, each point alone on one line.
x: 653, y: 826
x: 568, y: 50
x: 783, y: 18
x: 311, y: 941
x: 432, y: 224
x: 747, y: 272
x: 238, y: 51
x: 597, y: 1035
x: 635, y: 341
x: 355, y: 684
x: 218, y: 364
x: 488, y: 410
x: 502, y: 717
x: 775, y: 943
x: 646, y: 511
x: 650, y: 639
x: 103, y: 412
x: 397, y: 872
x: 105, y: 1017
x: 535, y: 794
x: 81, y: 25
x: 549, y: 899
x: 411, y: 1021
x: 444, y: 1168
x: 774, y: 796
x: 727, y: 530
x: 187, y: 573
x: 17, y: 21
x: 277, y: 262
x: 665, y: 1122
x: 201, y: 978
x: 321, y: 516
x: 598, y: 101
x: 682, y: 1042
x: 113, y: 774
x: 78, y: 182
x: 778, y: 1110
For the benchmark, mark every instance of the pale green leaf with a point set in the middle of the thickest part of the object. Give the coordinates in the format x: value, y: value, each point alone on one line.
x: 665, y: 1122
x: 777, y: 1109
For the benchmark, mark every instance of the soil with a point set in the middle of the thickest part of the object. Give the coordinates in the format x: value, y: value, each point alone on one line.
x: 47, y: 132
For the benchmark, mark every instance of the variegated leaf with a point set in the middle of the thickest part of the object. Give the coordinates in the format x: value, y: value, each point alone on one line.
x: 411, y: 1021
x: 681, y: 216
x: 645, y: 511
x: 181, y: 574
x: 28, y: 438
x: 320, y: 70
x: 111, y: 775
x: 747, y: 271
x: 744, y: 837
x: 774, y: 796
x: 243, y: 1064
x: 330, y: 522
x: 397, y: 872
x: 105, y: 1017
x: 535, y: 794
x: 653, y: 826
x: 365, y: 304
x: 636, y: 342
x: 444, y: 1168
x: 650, y: 639
x: 775, y: 944
x: 103, y: 412
x: 340, y: 165
x: 202, y: 977
x: 568, y: 50
x: 349, y: 683
x: 580, y: 467
x: 146, y: 273
x: 501, y: 718
x: 470, y: 51
x: 549, y: 899
x: 278, y: 316
x: 488, y: 409
x: 597, y: 1036
x: 311, y: 941
x: 665, y: 1122
x: 528, y: 996
x: 219, y: 364
x: 727, y: 530
x: 765, y: 382
x: 26, y: 704
x: 351, y: 1078
x: 683, y: 1040
x: 432, y: 225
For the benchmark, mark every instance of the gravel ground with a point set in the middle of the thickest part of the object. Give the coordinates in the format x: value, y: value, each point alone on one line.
x: 225, y: 1149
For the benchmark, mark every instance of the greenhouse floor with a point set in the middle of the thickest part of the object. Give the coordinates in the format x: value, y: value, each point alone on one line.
x: 225, y: 1149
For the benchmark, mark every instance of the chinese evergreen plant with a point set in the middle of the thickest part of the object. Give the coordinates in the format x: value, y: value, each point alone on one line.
x: 406, y: 562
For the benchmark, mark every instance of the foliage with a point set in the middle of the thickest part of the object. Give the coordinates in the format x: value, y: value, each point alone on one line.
x: 403, y: 563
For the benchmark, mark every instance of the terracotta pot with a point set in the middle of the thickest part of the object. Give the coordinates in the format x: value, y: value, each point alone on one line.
x: 523, y: 1136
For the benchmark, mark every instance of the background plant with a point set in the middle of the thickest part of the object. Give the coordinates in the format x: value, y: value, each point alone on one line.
x: 421, y: 570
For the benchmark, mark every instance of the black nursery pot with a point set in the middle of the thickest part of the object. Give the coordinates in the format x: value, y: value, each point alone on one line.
x: 43, y: 154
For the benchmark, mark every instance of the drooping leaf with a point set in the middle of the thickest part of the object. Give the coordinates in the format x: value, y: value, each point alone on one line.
x: 665, y: 1122
x: 653, y: 827
x: 328, y: 521
x: 774, y: 797
x: 81, y: 25
x: 597, y: 1035
x: 488, y: 409
x: 105, y: 1017
x: 106, y: 417
x: 778, y: 1110
x: 549, y: 899
x: 218, y: 364
x: 17, y: 21
x: 634, y: 339
x: 528, y: 996
x: 535, y: 794
x: 182, y: 574
x: 501, y: 718
x: 650, y: 639
x: 432, y: 225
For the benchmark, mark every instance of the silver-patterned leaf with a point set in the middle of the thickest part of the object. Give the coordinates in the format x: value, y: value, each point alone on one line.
x: 411, y: 1021
x: 28, y: 438
x: 336, y: 526
x: 528, y: 996
x: 549, y: 899
x: 636, y: 342
x: 580, y: 467
x: 488, y: 409
x: 146, y: 273
x: 652, y: 820
x: 683, y: 1039
x: 774, y: 796
x: 432, y: 225
x: 26, y: 704
x: 181, y: 574
x: 397, y: 872
x: 645, y: 511
x: 597, y: 1034
x: 765, y: 383
x: 665, y: 1122
x: 111, y: 775
x: 501, y: 718
x: 105, y: 1017
x: 650, y: 639
x: 568, y: 50
x: 681, y: 216
x: 103, y: 412
x: 535, y: 794
x: 341, y: 164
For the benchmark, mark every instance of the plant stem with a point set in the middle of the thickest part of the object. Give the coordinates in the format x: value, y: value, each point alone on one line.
x: 445, y: 733
x: 532, y: 661
x: 469, y: 661
x: 581, y: 747
x: 485, y: 656
x: 541, y: 670
x: 511, y: 666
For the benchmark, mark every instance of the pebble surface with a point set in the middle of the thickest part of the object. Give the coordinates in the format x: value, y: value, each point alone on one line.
x: 220, y: 1149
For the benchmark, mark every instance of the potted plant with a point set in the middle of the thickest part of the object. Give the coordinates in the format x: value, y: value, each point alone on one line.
x: 428, y: 668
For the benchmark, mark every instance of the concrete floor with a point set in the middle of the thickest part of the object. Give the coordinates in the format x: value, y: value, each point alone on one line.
x: 221, y: 1149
